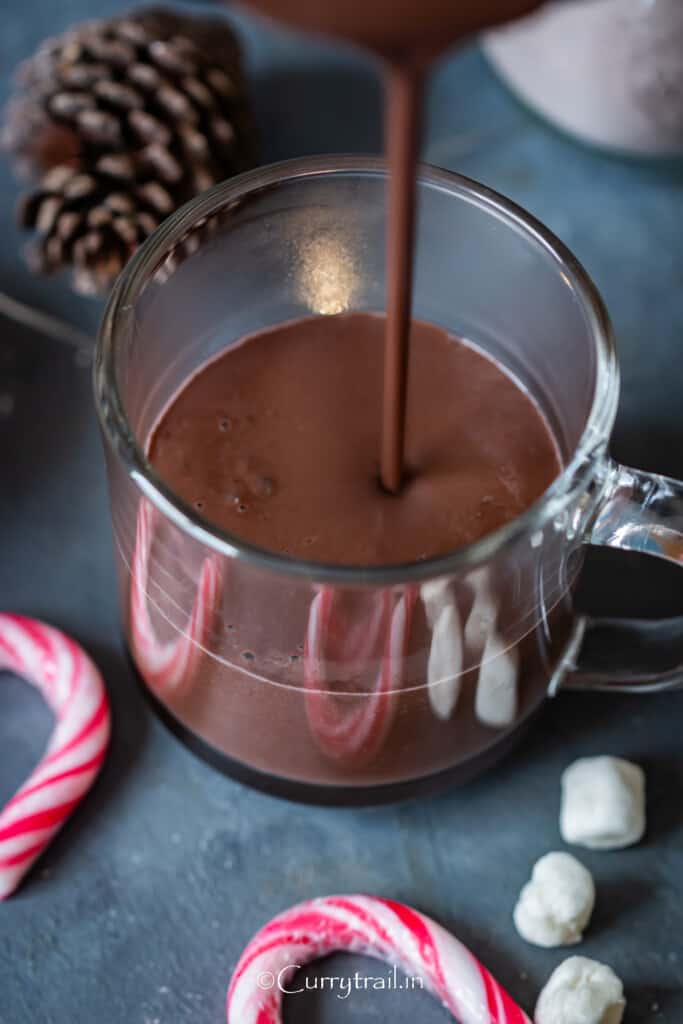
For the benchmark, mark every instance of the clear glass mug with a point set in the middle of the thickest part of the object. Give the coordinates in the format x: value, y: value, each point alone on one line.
x: 357, y: 684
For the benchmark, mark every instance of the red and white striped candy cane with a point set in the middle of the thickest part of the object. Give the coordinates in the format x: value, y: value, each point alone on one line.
x: 373, y: 927
x: 351, y: 727
x: 73, y: 688
x: 167, y: 666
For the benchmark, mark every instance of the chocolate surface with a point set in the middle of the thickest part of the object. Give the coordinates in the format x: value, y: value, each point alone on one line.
x: 277, y: 441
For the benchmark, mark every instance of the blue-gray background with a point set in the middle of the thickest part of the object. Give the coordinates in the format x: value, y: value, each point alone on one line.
x: 141, y: 907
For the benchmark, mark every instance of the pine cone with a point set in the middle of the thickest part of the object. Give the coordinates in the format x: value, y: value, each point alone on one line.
x: 123, y: 121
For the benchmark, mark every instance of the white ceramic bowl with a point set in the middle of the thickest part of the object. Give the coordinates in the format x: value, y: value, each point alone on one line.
x: 607, y: 71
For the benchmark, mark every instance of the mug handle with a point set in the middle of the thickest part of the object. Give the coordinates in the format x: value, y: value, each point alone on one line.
x: 643, y: 512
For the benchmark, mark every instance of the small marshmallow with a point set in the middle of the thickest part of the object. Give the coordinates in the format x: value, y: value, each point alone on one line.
x: 482, y: 618
x: 444, y: 668
x: 555, y: 906
x: 603, y: 803
x: 495, y: 703
x: 581, y: 991
x: 436, y: 594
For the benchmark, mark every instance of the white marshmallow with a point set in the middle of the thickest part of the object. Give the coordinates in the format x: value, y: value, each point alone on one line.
x: 555, y: 906
x: 435, y: 594
x: 603, y: 803
x: 482, y: 618
x: 445, y: 665
x: 495, y: 702
x: 581, y: 991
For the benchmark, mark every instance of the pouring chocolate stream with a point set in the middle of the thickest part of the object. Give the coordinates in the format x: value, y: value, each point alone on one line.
x: 407, y: 37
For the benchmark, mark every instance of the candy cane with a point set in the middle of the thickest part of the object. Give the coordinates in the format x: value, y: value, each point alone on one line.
x: 167, y: 666
x: 373, y: 927
x: 350, y: 726
x: 73, y: 688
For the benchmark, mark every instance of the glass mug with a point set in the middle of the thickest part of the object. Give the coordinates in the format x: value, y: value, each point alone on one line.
x: 359, y: 684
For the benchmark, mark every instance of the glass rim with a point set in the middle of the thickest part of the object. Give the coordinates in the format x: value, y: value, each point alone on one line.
x: 574, y: 477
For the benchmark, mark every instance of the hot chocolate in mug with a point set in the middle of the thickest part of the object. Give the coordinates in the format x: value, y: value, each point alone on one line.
x: 336, y: 683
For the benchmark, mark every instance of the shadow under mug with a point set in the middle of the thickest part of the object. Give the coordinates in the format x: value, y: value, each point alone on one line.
x: 360, y: 684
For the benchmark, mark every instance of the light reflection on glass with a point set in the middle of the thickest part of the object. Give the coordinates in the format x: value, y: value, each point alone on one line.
x: 327, y: 274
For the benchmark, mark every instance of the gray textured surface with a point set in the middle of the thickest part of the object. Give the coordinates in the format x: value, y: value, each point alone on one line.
x: 142, y: 905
